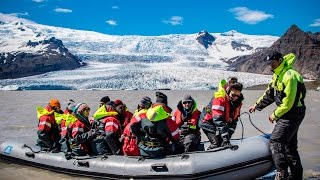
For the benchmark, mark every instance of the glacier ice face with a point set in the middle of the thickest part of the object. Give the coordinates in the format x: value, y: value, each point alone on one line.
x: 132, y: 76
x: 174, y: 61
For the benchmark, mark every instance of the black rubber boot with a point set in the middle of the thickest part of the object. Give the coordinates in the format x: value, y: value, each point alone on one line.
x: 113, y: 143
x: 214, y: 140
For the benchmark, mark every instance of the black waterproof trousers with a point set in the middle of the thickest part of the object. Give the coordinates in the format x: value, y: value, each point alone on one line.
x: 284, y: 144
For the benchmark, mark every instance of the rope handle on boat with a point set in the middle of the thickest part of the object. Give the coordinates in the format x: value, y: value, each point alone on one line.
x: 25, y: 145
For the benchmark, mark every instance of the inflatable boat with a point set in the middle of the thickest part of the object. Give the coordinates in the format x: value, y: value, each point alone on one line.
x: 245, y: 159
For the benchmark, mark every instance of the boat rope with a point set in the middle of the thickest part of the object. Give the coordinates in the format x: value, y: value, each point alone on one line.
x: 242, y: 131
x: 25, y: 145
x: 252, y: 123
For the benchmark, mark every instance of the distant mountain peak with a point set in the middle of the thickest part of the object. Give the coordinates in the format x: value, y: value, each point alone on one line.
x: 46, y: 55
x: 50, y: 41
x: 294, y: 30
x: 304, y: 45
x: 205, y: 39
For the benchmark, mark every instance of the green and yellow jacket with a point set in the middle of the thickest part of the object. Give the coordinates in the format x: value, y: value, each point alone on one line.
x: 286, y: 89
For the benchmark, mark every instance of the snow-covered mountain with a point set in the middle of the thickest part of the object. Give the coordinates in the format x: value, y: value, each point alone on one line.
x: 176, y: 61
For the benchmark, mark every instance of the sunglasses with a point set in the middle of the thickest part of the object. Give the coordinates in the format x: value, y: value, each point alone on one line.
x: 235, y: 95
x: 187, y: 102
x: 86, y: 109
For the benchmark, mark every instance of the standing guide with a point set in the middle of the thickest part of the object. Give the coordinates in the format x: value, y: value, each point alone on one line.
x: 287, y: 90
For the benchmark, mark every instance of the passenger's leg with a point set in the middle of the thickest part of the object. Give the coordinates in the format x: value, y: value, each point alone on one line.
x: 213, y: 138
x: 113, y: 142
x: 191, y: 141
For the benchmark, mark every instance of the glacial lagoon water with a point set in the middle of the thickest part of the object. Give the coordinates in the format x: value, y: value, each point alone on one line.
x: 18, y: 121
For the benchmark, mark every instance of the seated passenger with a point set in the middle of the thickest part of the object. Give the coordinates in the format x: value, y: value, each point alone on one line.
x: 158, y: 132
x: 186, y: 116
x: 220, y: 123
x: 64, y: 133
x: 104, y: 100
x: 48, y: 129
x: 130, y: 142
x: 207, y: 109
x: 106, y: 121
x: 124, y: 115
x: 81, y: 133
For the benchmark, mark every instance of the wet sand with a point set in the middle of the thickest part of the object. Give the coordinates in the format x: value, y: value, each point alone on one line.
x: 18, y: 121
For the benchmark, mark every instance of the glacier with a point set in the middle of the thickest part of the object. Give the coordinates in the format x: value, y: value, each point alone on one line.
x: 175, y: 61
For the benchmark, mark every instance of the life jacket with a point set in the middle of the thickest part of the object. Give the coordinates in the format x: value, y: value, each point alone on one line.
x: 125, y: 120
x: 221, y: 106
x: 137, y: 117
x: 46, y: 118
x: 77, y: 128
x: 159, y: 127
x: 48, y: 129
x: 107, y: 118
x: 130, y: 143
x: 61, y: 120
x: 191, y: 119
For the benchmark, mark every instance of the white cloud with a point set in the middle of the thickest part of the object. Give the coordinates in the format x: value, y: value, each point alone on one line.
x: 115, y: 7
x: 38, y: 1
x: 112, y: 22
x: 62, y: 10
x: 20, y: 14
x: 14, y: 17
x: 316, y: 23
x: 174, y: 20
x: 249, y: 16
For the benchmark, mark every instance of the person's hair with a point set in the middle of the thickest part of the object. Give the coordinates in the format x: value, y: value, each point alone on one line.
x: 236, y: 86
x: 232, y: 79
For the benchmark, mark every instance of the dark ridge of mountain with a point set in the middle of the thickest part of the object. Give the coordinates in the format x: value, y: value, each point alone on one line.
x: 240, y: 47
x: 52, y: 58
x: 205, y: 39
x: 305, y: 45
x: 316, y: 35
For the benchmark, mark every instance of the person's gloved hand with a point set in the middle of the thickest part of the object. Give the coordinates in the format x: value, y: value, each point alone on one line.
x: 121, y: 139
x: 193, y: 122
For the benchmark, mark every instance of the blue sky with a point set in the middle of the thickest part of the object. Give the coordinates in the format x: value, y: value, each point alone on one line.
x: 160, y: 17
